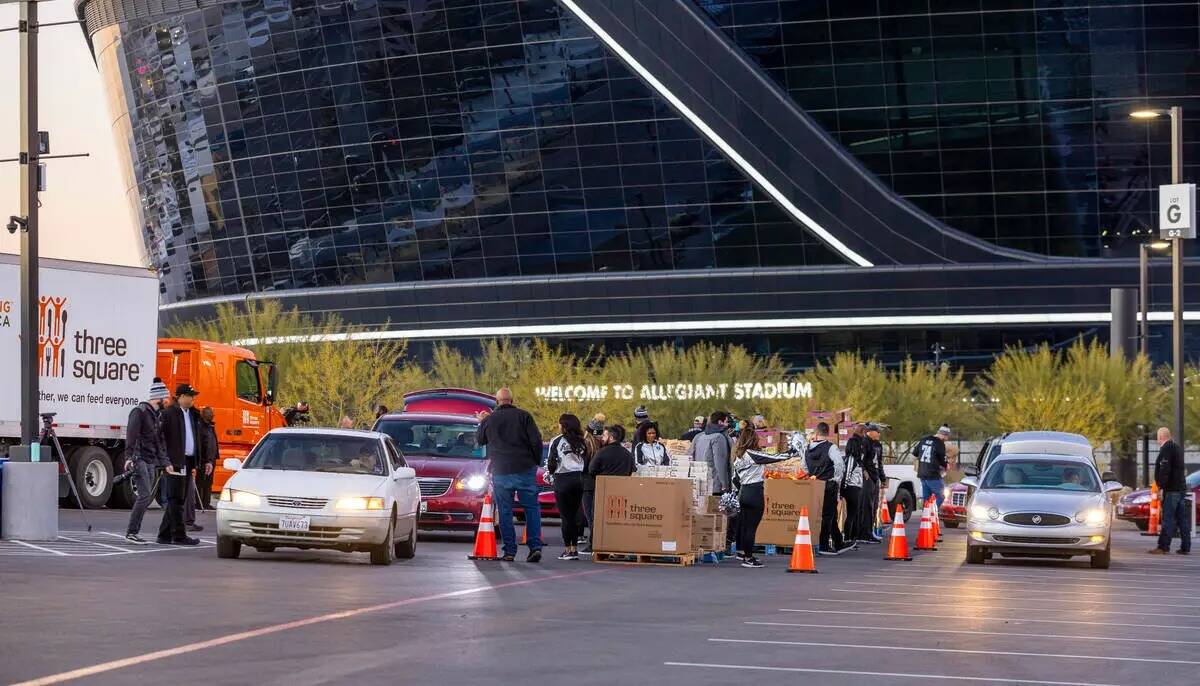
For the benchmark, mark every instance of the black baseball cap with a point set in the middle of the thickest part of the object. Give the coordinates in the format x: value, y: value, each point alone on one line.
x: 185, y: 389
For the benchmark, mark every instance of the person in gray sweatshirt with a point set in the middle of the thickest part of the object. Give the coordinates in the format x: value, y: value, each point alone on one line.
x: 713, y: 447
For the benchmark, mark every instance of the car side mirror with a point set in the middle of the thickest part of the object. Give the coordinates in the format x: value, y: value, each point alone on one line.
x: 971, y: 470
x: 1109, y: 476
x: 404, y: 473
x: 1111, y: 486
x: 969, y: 482
x: 232, y: 464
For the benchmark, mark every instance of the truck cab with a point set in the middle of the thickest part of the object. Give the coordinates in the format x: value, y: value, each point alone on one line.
x: 239, y: 388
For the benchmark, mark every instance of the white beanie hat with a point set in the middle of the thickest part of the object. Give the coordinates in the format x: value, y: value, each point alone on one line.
x: 158, y: 390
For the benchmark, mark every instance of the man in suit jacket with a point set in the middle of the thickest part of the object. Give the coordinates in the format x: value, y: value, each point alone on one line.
x: 185, y: 449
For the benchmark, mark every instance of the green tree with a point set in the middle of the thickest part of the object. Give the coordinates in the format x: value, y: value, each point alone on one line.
x: 849, y: 380
x: 925, y: 397
x: 350, y: 378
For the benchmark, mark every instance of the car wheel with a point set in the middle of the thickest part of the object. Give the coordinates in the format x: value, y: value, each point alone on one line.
x: 1142, y: 524
x: 951, y: 525
x: 906, y: 500
x: 406, y: 550
x: 385, y: 552
x: 228, y: 548
x: 975, y: 554
x: 1103, y: 559
x: 92, y: 473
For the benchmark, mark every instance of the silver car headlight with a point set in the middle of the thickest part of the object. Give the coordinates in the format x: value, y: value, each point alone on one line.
x: 1093, y: 516
x: 980, y: 512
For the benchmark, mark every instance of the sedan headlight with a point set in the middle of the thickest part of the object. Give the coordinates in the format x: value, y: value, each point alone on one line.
x: 980, y: 512
x: 1094, y: 517
x: 357, y: 503
x: 476, y: 483
x: 243, y: 498
x: 1140, y: 499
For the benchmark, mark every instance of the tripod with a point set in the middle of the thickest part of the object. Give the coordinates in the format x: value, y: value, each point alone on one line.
x: 48, y: 437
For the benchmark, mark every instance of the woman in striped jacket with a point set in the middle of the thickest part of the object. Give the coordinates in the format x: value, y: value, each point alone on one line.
x: 748, y: 463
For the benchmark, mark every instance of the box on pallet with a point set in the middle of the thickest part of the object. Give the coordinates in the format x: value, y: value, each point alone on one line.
x: 643, y: 515
x: 784, y: 498
x: 709, y: 523
x: 708, y: 504
x: 708, y: 541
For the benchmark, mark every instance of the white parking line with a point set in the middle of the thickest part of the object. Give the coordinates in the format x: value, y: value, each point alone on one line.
x: 1074, y: 595
x: 1074, y: 601
x: 850, y: 672
x: 960, y: 651
x: 998, y: 619
x: 38, y: 547
x: 102, y: 545
x: 1024, y: 571
x: 997, y: 580
x: 1020, y: 608
x: 979, y: 633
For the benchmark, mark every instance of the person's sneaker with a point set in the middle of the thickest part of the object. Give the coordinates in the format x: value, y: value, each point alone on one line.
x: 186, y: 541
x: 163, y: 541
x: 569, y: 555
x: 752, y: 563
x: 134, y: 538
x: 194, y: 527
x: 1156, y: 551
x: 741, y: 557
x: 867, y: 540
x: 534, y: 556
x: 508, y: 558
x: 587, y: 550
x: 827, y: 553
x: 847, y: 548
x: 1182, y: 552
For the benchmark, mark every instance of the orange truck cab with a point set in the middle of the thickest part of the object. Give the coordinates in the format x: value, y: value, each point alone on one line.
x: 238, y: 387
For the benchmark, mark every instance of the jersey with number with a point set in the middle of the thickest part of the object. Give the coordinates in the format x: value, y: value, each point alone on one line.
x: 931, y: 457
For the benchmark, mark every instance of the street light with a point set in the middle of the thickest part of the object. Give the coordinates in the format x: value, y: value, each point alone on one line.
x: 1176, y: 115
x: 1144, y: 290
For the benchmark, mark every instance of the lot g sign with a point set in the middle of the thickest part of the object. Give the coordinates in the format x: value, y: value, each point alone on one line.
x: 1177, y: 210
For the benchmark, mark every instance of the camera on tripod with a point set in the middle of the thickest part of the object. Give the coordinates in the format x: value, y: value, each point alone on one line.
x: 297, y: 415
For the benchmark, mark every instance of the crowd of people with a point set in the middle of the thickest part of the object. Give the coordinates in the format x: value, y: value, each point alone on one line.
x: 729, y: 446
x: 170, y: 446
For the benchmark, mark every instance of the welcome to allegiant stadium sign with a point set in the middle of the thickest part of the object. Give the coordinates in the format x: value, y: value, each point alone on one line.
x: 744, y: 390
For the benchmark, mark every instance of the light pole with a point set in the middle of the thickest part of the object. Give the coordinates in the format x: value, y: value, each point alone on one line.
x: 1144, y: 291
x: 1176, y: 115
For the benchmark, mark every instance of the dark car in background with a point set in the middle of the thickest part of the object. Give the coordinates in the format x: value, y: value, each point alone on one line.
x: 1135, y: 506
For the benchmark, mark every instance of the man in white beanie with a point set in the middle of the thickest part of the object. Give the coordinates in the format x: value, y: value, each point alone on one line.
x: 144, y: 453
x: 932, y: 464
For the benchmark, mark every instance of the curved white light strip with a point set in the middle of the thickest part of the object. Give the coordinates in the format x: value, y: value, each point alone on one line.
x: 707, y: 325
x: 740, y: 161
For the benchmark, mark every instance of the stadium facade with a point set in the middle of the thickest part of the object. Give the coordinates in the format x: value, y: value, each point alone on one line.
x: 801, y: 177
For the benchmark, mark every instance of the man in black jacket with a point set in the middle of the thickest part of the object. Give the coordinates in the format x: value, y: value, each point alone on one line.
x: 932, y: 464
x: 1172, y: 483
x: 144, y: 453
x: 873, y: 483
x: 200, y: 488
x: 824, y: 462
x: 514, y: 452
x: 181, y: 433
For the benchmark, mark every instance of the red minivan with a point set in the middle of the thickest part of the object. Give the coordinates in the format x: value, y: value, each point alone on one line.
x: 436, y: 433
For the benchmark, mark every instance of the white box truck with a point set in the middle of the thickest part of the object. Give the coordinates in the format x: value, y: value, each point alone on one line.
x: 96, y: 358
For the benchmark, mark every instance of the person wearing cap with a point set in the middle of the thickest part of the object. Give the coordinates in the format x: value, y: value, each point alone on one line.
x: 697, y: 428
x: 184, y: 441
x: 200, y: 490
x: 873, y: 484
x: 932, y: 464
x: 641, y: 414
x: 144, y: 454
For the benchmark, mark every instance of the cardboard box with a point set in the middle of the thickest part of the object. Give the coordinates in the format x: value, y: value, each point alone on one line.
x: 640, y: 515
x: 784, y: 498
x: 708, y: 504
x: 708, y: 540
x: 709, y: 523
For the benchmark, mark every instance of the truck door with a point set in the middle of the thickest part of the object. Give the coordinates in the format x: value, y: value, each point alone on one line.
x: 249, y: 394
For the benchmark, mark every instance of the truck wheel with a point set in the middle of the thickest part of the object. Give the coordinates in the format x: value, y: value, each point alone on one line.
x: 975, y: 554
x: 92, y: 472
x: 906, y: 500
x: 385, y: 552
x: 228, y: 548
x: 122, y: 494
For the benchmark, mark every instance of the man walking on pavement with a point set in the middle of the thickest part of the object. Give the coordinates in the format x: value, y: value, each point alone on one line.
x: 932, y: 464
x: 1172, y: 483
x: 514, y: 450
x: 823, y: 461
x: 180, y: 428
x: 144, y: 453
x: 874, y: 484
x: 200, y: 479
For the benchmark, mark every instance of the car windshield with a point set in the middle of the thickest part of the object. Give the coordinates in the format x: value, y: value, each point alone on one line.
x: 318, y: 453
x: 1041, y: 474
x: 1193, y: 480
x: 433, y: 438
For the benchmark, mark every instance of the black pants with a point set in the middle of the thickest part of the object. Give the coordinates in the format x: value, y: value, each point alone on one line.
x: 589, y: 511
x: 568, y: 494
x: 204, y: 483
x: 750, y: 497
x: 853, y: 496
x: 171, y: 527
x: 732, y: 527
x: 831, y: 535
x: 870, y: 505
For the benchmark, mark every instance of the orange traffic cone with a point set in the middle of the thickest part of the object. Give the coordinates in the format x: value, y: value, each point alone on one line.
x: 897, y: 548
x: 925, y: 537
x: 1155, y: 513
x: 935, y: 518
x: 485, y: 538
x: 884, y: 516
x: 525, y: 535
x: 802, y: 551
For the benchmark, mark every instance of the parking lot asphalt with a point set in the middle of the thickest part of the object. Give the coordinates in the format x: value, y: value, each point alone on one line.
x: 93, y: 610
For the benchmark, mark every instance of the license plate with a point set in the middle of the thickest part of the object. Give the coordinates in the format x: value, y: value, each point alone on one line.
x: 293, y: 523
x: 424, y: 507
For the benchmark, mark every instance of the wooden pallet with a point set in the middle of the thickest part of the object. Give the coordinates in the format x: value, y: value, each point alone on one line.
x: 681, y: 560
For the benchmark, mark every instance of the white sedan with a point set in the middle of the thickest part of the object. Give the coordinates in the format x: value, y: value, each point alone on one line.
x: 321, y: 488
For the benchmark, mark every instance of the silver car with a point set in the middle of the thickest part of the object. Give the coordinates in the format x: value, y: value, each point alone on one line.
x: 1038, y: 505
